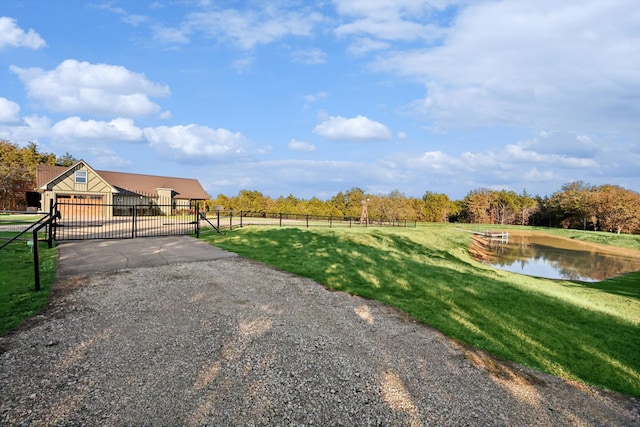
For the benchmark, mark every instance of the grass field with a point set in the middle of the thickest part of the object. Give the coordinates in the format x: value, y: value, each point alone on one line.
x: 18, y: 298
x: 582, y: 331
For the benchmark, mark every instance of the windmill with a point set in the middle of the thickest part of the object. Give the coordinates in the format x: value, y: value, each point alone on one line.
x: 364, y: 214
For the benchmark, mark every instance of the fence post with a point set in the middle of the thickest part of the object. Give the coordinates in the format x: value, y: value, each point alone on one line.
x: 240, y: 219
x: 218, y: 219
x: 231, y: 219
x: 36, y: 260
x: 133, y: 219
x: 52, y: 219
x: 307, y: 220
x: 197, y: 213
x: 280, y: 219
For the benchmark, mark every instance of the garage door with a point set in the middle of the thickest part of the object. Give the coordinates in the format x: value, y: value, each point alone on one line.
x: 80, y: 205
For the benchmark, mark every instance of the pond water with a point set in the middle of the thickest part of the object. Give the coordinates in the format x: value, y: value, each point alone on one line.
x: 555, y: 258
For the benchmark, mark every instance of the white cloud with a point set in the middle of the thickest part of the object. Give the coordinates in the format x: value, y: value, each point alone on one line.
x: 543, y: 64
x: 81, y: 87
x: 249, y: 28
x: 73, y: 128
x: 170, y: 35
x: 301, y: 146
x: 13, y: 36
x: 314, y: 97
x: 9, y: 111
x: 358, y: 128
x: 29, y: 129
x: 309, y: 56
x: 387, y: 20
x: 193, y: 141
x: 512, y: 166
x: 363, y: 46
x: 131, y: 19
x: 564, y: 144
x: 242, y: 65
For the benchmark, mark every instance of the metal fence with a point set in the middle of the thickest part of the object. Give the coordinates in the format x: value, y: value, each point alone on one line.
x: 81, y: 221
x: 235, y: 219
x: 13, y: 223
x: 77, y: 220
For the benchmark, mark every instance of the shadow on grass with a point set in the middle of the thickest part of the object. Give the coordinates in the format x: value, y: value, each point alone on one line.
x: 464, y: 301
x: 627, y: 285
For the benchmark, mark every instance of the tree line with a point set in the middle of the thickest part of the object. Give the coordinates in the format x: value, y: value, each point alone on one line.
x: 18, y: 171
x: 576, y: 205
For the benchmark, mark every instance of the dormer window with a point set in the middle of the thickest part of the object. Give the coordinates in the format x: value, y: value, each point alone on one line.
x: 81, y: 177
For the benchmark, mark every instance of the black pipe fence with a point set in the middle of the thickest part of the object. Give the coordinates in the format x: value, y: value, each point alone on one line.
x: 19, y: 227
x: 82, y: 221
x: 234, y: 219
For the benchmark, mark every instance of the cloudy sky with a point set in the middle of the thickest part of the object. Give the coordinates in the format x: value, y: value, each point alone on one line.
x: 312, y: 98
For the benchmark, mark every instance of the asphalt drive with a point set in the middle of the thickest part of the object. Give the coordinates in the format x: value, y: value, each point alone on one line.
x: 81, y: 257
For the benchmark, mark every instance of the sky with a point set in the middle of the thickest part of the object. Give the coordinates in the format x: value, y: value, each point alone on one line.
x: 310, y: 98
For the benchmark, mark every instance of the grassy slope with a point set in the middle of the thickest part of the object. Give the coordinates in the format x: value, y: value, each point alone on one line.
x: 18, y: 299
x: 589, y: 332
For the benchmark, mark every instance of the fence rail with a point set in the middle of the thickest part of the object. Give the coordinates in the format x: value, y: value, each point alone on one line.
x: 12, y: 222
x: 81, y: 221
x: 235, y: 219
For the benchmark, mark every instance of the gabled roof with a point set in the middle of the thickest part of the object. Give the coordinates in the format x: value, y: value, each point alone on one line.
x: 51, y: 173
x: 132, y: 183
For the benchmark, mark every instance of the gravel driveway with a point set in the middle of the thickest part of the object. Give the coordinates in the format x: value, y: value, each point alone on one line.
x: 234, y: 342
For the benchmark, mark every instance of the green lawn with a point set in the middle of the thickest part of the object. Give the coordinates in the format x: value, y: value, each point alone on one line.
x: 18, y: 298
x: 581, y: 331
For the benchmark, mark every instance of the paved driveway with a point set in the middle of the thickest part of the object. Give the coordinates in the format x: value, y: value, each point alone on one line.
x: 196, y: 336
x: 81, y: 257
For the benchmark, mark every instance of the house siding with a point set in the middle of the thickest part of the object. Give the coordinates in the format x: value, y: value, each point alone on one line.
x: 120, y: 193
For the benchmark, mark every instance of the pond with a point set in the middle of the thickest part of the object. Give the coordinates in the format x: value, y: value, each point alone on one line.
x: 558, y: 258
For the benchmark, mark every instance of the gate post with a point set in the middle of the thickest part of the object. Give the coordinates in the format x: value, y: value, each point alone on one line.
x: 197, y: 213
x: 53, y: 218
x: 133, y: 219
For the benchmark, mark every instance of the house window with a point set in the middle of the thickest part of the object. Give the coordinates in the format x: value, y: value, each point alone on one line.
x: 81, y: 177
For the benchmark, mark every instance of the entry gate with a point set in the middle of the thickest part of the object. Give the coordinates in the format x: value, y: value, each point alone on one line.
x: 78, y: 220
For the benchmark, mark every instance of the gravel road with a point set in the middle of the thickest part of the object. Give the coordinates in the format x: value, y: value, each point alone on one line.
x: 234, y: 342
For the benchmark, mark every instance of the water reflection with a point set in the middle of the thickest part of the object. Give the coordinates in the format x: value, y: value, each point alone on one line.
x: 555, y: 258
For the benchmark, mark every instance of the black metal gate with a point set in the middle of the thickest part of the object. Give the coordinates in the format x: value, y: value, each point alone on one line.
x: 78, y: 219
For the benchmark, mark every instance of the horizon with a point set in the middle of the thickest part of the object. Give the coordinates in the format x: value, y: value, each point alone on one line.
x: 315, y: 98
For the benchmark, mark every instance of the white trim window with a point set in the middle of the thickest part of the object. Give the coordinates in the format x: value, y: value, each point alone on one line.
x: 81, y: 177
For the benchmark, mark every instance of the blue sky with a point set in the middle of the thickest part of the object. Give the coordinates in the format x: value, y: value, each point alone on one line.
x: 313, y: 98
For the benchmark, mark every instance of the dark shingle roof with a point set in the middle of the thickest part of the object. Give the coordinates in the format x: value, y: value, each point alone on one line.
x: 184, y: 188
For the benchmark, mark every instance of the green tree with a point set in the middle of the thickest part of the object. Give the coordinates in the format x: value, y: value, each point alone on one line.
x: 353, y: 202
x: 250, y: 201
x: 18, y: 172
x: 289, y: 205
x: 339, y: 204
x: 526, y: 207
x: 315, y: 206
x: 436, y: 207
x: 66, y: 160
x: 504, y: 205
x: 574, y: 205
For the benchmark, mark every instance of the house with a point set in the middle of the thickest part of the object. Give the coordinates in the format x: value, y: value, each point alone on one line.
x: 105, y: 193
